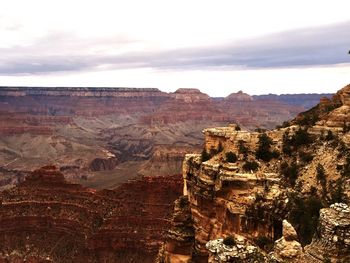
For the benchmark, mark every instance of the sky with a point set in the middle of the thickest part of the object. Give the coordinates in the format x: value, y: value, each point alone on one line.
x: 217, y: 46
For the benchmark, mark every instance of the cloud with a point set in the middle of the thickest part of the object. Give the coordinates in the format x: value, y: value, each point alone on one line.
x: 326, y: 45
x: 61, y: 52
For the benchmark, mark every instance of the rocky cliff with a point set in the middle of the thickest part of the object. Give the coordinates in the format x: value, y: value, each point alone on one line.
x: 47, y: 219
x: 283, y: 193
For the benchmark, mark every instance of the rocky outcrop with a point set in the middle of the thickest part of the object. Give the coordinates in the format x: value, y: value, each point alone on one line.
x: 238, y: 251
x: 287, y: 248
x: 47, y: 218
x: 333, y: 237
x: 330, y: 113
x: 258, y: 113
x: 220, y: 195
x: 10, y: 178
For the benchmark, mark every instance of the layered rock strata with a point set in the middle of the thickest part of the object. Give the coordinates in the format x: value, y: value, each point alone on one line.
x: 219, y: 198
x: 47, y: 218
x: 333, y: 237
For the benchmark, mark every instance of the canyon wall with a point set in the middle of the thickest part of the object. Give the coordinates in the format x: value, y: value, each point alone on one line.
x: 274, y: 196
x: 48, y: 219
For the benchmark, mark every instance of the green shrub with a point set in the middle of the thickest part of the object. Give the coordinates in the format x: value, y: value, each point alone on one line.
x: 230, y: 241
x: 220, y: 148
x: 306, y: 157
x: 290, y: 172
x: 265, y: 243
x: 205, y: 156
x: 290, y: 144
x: 346, y: 168
x: 263, y: 151
x: 250, y: 166
x: 326, y: 259
x: 275, y: 154
x: 301, y: 137
x: 304, y: 215
x: 231, y: 157
x: 286, y: 144
x: 346, y: 127
x: 329, y: 136
x: 242, y: 149
x: 320, y: 173
x: 321, y: 177
x: 336, y: 190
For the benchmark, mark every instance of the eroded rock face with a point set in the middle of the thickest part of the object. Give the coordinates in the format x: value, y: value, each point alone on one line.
x: 179, y: 242
x: 47, y: 218
x: 333, y: 239
x: 219, y: 196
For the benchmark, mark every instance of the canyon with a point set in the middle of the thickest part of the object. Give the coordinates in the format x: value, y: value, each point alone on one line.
x: 100, y: 169
x: 102, y: 137
x: 268, y: 196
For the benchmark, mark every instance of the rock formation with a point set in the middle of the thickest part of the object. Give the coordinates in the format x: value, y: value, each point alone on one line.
x: 239, y: 251
x: 239, y: 96
x: 81, y: 127
x: 268, y: 188
x: 220, y: 193
x: 333, y: 237
x: 287, y: 248
x: 46, y: 219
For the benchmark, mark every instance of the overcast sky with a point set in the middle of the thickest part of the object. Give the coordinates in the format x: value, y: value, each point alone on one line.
x: 218, y: 46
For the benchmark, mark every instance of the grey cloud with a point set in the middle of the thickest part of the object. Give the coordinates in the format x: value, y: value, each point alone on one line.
x: 305, y: 47
x: 327, y: 45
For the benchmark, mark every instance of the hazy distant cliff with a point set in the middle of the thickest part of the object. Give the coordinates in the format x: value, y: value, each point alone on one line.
x: 89, y: 132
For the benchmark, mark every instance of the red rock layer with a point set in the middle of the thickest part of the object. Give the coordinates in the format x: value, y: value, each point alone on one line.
x: 46, y: 218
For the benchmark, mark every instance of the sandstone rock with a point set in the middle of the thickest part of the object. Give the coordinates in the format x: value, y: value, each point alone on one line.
x: 287, y: 248
x: 219, y: 194
x: 289, y: 232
